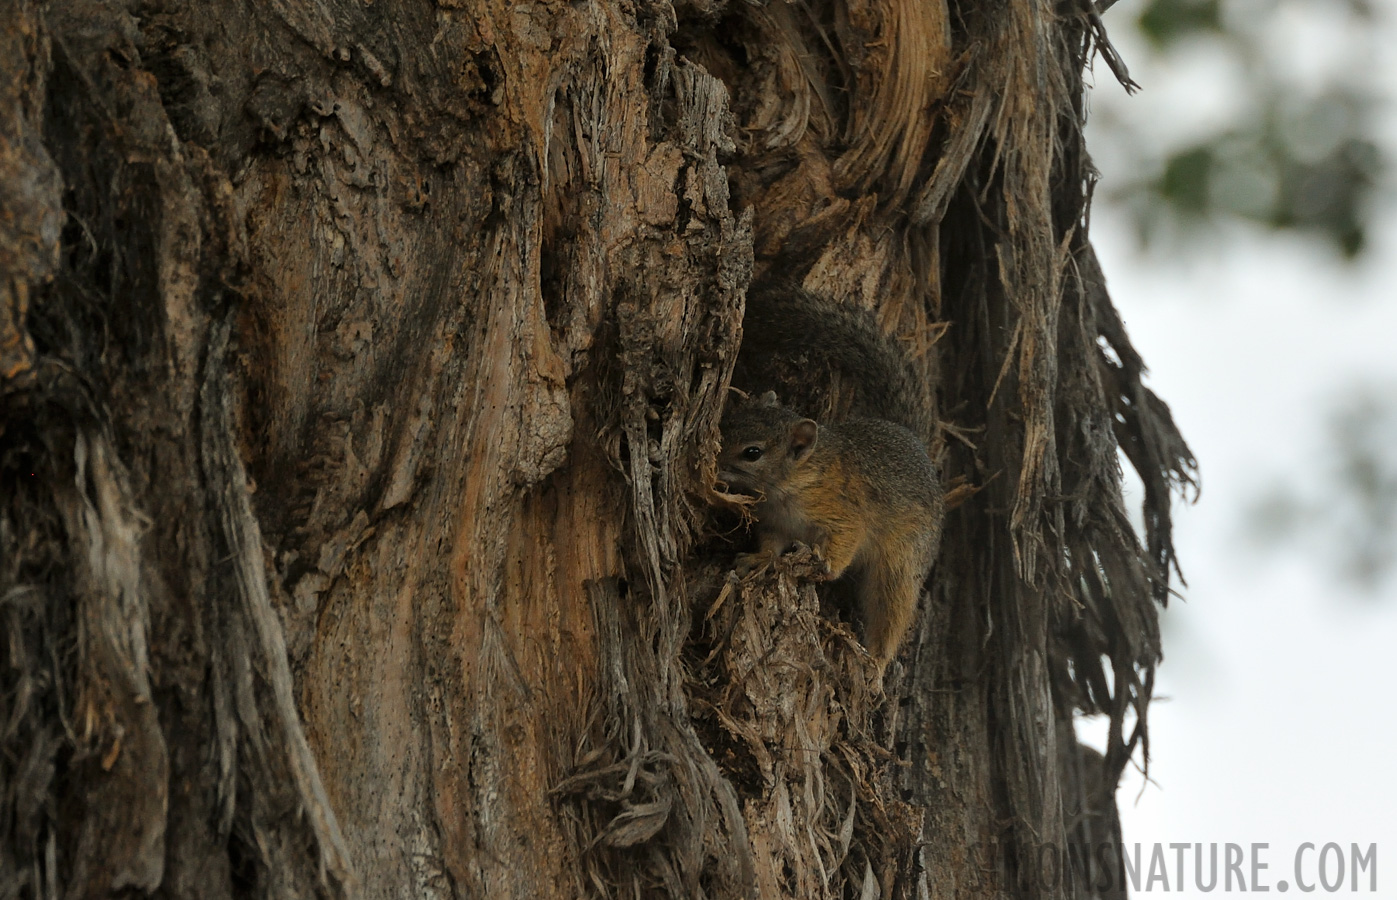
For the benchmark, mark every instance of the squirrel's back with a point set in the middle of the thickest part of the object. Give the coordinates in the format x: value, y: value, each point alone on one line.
x: 808, y: 342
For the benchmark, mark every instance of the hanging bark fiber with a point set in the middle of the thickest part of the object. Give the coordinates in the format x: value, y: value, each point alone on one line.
x: 360, y: 374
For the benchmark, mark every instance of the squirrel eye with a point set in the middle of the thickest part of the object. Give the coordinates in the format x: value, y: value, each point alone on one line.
x: 752, y: 454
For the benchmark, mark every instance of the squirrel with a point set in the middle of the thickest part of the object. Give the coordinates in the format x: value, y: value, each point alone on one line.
x: 863, y: 492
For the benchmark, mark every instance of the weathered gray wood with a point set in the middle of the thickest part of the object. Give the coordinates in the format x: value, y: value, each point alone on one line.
x: 360, y: 371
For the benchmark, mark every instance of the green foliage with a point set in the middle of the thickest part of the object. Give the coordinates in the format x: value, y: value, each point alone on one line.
x: 1164, y: 22
x: 1348, y: 512
x: 1301, y: 154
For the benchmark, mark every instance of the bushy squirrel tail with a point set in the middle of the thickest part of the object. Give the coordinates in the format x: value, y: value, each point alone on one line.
x: 808, y: 342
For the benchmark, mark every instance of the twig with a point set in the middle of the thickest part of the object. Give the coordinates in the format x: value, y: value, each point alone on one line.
x: 1108, y: 52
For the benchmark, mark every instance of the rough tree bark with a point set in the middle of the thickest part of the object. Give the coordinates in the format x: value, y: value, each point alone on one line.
x: 360, y: 370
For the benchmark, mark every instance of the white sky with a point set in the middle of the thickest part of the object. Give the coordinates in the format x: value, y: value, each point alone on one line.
x: 1278, y: 724
x: 1275, y: 720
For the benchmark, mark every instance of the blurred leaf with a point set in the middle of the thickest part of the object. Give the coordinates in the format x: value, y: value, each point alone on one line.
x: 1348, y: 512
x: 1165, y: 22
x: 1186, y: 178
x: 1328, y: 196
x: 1276, y: 516
x: 1302, y: 157
x: 1363, y: 435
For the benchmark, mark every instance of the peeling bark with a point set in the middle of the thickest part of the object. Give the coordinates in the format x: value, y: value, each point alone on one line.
x: 360, y: 371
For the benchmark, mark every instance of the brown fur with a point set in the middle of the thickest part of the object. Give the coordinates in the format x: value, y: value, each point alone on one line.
x: 862, y: 493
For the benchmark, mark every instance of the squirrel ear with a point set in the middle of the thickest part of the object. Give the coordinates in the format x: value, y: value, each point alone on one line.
x: 768, y: 399
x: 803, y: 436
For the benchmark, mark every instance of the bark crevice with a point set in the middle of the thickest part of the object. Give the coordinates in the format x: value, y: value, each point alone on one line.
x: 360, y: 375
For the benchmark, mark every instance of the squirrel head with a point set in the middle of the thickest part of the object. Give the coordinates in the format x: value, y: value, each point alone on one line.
x: 763, y: 443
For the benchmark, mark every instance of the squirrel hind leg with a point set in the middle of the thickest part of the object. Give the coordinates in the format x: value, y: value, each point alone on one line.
x: 888, y: 605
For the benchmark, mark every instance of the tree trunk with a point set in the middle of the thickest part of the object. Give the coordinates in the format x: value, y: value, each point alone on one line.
x: 360, y: 373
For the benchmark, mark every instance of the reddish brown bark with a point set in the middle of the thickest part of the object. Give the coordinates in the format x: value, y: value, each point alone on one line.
x: 360, y: 370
